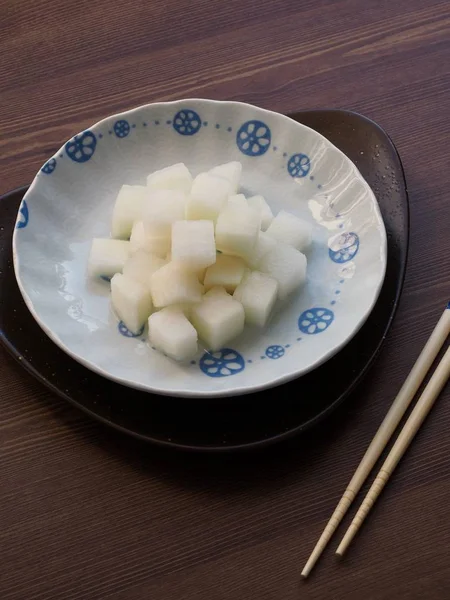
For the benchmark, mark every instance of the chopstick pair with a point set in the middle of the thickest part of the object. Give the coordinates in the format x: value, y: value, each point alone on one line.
x: 383, y: 435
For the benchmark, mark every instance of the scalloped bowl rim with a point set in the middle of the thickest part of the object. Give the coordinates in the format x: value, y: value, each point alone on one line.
x: 234, y: 390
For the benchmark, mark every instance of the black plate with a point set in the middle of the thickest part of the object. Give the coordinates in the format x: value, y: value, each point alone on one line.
x: 229, y: 423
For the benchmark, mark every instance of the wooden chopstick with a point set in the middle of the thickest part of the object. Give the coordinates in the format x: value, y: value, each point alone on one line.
x: 411, y: 427
x: 384, y: 433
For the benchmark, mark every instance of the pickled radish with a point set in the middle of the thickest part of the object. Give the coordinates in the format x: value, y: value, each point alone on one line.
x: 202, y: 259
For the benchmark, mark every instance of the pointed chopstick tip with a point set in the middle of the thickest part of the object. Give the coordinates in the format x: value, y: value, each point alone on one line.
x: 306, y: 571
x: 347, y: 539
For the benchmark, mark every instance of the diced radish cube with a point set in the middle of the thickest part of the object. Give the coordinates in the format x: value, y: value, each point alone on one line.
x: 174, y: 284
x: 208, y: 196
x: 232, y: 172
x: 218, y: 320
x: 193, y: 244
x: 170, y: 332
x: 175, y: 177
x: 287, y: 265
x: 107, y: 257
x: 291, y: 230
x: 237, y: 230
x: 201, y: 275
x: 131, y: 301
x: 264, y: 244
x: 259, y: 203
x: 238, y: 200
x: 137, y: 237
x: 200, y: 272
x: 155, y: 244
x: 185, y: 307
x: 227, y: 272
x: 141, y: 266
x: 127, y: 209
x: 218, y: 290
x: 257, y: 293
x: 162, y: 208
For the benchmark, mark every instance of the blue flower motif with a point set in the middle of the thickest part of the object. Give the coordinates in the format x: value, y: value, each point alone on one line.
x: 121, y: 128
x: 253, y: 138
x: 299, y: 165
x: 23, y: 215
x: 315, y: 320
x: 344, y: 248
x: 82, y: 147
x: 223, y: 363
x: 126, y: 332
x: 49, y: 166
x: 274, y: 352
x: 187, y: 122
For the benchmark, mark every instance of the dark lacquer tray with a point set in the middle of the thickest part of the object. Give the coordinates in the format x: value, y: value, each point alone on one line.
x: 241, y: 422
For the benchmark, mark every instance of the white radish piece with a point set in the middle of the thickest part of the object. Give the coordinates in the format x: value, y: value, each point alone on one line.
x: 259, y: 203
x: 227, y: 272
x: 208, y: 196
x: 162, y: 208
x: 200, y: 272
x: 185, y: 308
x: 170, y: 332
x: 155, y: 244
x: 174, y: 284
x: 232, y: 172
x: 257, y: 293
x: 127, y: 210
x: 238, y: 200
x: 141, y: 266
x: 287, y: 265
x: 263, y: 245
x: 131, y: 301
x: 218, y: 290
x: 218, y: 320
x: 289, y: 229
x: 193, y: 244
x: 107, y: 257
x: 175, y: 177
x: 201, y: 275
x: 137, y: 237
x: 237, y: 230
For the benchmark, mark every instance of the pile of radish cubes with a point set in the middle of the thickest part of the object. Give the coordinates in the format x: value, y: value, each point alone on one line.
x: 197, y: 259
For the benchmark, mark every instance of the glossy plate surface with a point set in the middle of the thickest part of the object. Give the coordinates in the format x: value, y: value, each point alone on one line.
x: 293, y: 166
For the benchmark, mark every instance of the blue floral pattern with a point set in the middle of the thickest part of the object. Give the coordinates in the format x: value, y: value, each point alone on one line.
x: 253, y: 138
x: 222, y: 363
x: 121, y: 128
x: 344, y: 248
x: 49, y: 166
x: 123, y: 329
x: 82, y: 147
x: 23, y: 215
x: 299, y: 165
x: 274, y: 352
x: 315, y: 320
x: 187, y: 122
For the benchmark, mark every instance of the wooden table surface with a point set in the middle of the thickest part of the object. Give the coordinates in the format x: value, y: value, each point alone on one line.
x: 88, y: 514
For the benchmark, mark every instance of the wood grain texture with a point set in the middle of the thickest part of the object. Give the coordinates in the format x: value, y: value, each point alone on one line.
x: 87, y: 514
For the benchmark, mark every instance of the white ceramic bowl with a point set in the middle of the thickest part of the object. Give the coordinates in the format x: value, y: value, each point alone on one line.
x: 295, y: 168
